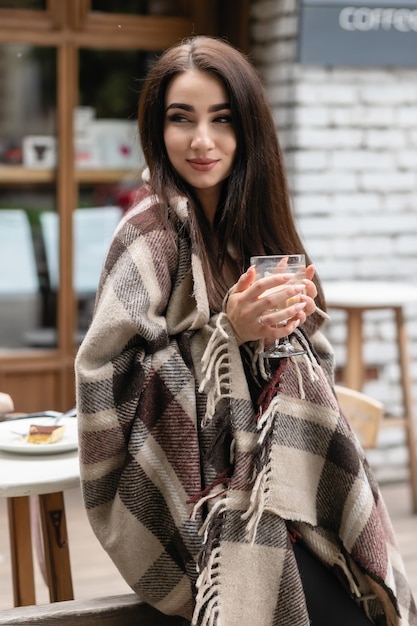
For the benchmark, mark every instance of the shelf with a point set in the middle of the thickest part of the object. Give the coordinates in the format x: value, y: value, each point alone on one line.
x: 106, y: 176
x: 15, y: 174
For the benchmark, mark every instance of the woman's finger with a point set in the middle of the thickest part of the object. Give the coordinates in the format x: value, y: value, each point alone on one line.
x: 245, y: 281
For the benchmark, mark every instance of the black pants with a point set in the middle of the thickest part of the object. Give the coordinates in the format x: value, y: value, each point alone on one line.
x: 328, y: 603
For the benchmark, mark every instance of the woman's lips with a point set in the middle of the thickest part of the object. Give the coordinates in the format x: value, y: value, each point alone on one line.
x: 202, y: 165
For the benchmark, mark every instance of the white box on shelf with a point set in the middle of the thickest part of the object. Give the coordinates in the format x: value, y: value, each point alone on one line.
x: 83, y: 116
x: 117, y: 142
x: 86, y: 153
x: 39, y: 151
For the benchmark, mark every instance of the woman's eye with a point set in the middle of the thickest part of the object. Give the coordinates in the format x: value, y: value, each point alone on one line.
x: 177, y: 117
x: 223, y: 119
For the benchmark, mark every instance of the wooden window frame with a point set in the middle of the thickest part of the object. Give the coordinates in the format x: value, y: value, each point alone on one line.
x: 68, y: 26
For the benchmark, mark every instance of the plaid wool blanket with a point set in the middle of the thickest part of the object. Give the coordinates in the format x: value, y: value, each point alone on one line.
x: 199, y: 468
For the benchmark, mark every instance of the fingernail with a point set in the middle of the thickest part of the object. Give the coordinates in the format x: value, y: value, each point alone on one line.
x: 300, y: 306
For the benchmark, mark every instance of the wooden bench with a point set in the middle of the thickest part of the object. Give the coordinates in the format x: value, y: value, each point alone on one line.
x: 123, y: 610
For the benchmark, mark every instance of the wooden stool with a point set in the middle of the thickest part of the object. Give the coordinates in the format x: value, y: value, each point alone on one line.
x: 355, y: 298
x: 362, y: 412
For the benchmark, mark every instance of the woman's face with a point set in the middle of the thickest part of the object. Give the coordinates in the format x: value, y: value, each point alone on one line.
x: 198, y: 133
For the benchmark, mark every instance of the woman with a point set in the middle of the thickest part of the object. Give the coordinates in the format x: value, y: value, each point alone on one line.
x: 227, y: 489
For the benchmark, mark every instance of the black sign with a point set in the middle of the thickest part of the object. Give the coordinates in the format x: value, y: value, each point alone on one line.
x: 336, y: 32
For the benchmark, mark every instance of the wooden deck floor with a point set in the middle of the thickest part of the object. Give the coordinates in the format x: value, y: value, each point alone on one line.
x: 94, y: 574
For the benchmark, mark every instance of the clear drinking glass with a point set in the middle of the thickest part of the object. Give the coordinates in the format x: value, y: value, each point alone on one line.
x: 293, y: 264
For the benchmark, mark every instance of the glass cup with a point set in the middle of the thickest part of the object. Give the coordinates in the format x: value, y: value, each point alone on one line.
x: 268, y: 265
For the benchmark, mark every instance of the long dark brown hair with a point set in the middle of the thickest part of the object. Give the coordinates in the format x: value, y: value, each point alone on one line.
x: 254, y: 214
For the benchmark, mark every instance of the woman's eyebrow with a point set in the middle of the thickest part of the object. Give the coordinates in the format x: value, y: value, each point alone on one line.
x: 179, y: 105
x: 219, y: 107
x: 187, y: 107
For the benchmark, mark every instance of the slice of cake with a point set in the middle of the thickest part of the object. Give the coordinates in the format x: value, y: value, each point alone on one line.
x: 45, y: 434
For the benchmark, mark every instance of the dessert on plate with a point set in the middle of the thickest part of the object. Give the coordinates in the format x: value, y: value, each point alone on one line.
x: 45, y: 434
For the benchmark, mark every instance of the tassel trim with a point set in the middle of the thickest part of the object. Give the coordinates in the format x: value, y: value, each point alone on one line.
x: 257, y: 504
x: 206, y: 606
x: 206, y: 610
x: 215, y: 364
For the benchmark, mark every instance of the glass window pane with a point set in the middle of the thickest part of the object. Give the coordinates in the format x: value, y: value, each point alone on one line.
x: 139, y: 7
x: 110, y: 81
x: 134, y: 7
x: 106, y: 120
x: 108, y: 151
x: 27, y: 147
x: 27, y: 111
x: 23, y: 4
x: 106, y: 134
x: 27, y: 302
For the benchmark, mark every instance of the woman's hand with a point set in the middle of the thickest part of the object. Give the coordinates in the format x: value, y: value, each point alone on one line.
x: 254, y: 315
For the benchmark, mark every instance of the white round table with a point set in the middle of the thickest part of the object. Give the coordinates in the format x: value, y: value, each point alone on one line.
x: 46, y: 476
x: 368, y: 294
x: 27, y: 475
x: 355, y: 298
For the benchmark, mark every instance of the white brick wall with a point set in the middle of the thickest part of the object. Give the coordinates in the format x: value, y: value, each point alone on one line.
x: 350, y: 140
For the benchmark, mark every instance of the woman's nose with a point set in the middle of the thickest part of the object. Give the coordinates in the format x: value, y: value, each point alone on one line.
x: 202, y: 137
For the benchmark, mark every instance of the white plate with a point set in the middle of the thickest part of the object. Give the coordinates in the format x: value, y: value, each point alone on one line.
x: 13, y: 436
